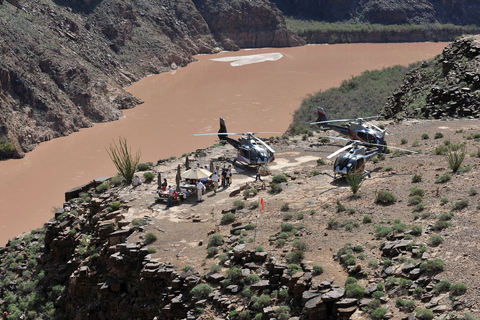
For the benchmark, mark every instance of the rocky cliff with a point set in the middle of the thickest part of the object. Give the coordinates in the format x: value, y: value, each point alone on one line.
x: 462, y: 12
x: 447, y: 86
x: 64, y: 64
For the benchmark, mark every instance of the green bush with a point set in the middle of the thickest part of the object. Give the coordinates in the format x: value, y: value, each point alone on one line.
x: 215, y: 240
x: 354, y: 290
x: 438, y: 135
x: 299, y: 244
x: 124, y: 160
x: 459, y: 205
x: 228, y: 218
x: 287, y: 216
x: 436, y: 265
x: 425, y: 136
x: 239, y: 204
x: 385, y: 198
x: 350, y: 280
x: 279, y: 178
x: 115, y: 205
x: 435, y: 240
x: 215, y: 268
x: 424, y: 314
x: 367, y: 219
x: 416, y: 230
x: 148, y: 176
x: 7, y: 149
x: 117, y: 180
x: 295, y: 256
x: 142, y: 167
x: 416, y: 178
x: 414, y: 191
x: 455, y: 157
x: 103, y: 187
x: 443, y: 178
x: 253, y: 205
x: 287, y: 227
x: 261, y: 302
x: 332, y: 224
x: 150, y: 237
x: 251, y: 279
x: 458, y: 289
x: 276, y: 188
x: 317, y: 269
x: 444, y: 201
x: 201, y: 291
x: 442, y: 286
x: 415, y: 200
x: 321, y: 162
x: 403, y: 141
x: 211, y: 251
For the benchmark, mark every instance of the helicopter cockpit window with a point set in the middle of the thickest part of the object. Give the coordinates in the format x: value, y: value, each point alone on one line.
x: 367, y: 137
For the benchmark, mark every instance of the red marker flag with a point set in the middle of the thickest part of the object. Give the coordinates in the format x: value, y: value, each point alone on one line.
x: 263, y: 206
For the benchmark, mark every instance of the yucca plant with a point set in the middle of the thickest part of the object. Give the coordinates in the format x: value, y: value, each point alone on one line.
x: 455, y: 157
x: 355, y: 181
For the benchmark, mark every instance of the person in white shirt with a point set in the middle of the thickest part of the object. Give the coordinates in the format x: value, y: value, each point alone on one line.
x: 136, y: 181
x: 200, y: 188
x: 215, y: 179
x: 170, y: 196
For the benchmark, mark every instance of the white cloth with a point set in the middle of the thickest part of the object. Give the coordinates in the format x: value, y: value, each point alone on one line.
x: 137, y: 181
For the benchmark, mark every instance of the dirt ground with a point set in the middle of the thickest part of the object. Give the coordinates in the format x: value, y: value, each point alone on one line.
x: 315, y: 195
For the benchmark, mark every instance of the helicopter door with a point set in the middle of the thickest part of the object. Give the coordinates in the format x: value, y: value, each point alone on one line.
x: 360, y: 163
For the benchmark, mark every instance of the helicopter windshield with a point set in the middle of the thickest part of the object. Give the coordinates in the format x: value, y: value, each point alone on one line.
x: 367, y: 137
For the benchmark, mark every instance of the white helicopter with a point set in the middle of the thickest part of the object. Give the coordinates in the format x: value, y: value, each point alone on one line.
x: 250, y: 149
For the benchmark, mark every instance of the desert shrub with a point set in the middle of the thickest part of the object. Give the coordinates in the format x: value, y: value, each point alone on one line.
x: 355, y: 181
x: 317, y: 269
x: 350, y: 280
x: 320, y: 162
x: 253, y: 205
x: 280, y: 242
x: 285, y: 207
x: 150, y: 237
x: 287, y: 227
x: 279, y: 178
x: 215, y: 268
x: 458, y: 289
x: 385, y: 198
x: 142, y: 166
x: 444, y: 201
x: 300, y: 216
x: 287, y: 216
x: 315, y: 172
x: 239, y: 204
x: 415, y: 200
x: 294, y: 268
x: 378, y: 313
x: 416, y: 178
x: 115, y: 205
x: 251, y: 279
x: 215, y: 240
x: 442, y: 286
x: 383, y: 231
x: 443, y: 178
x: 403, y: 141
x: 332, y: 224
x: 276, y: 188
x: 282, y: 294
x: 201, y: 291
x: 250, y: 226
x: 282, y: 313
x: 117, y: 180
x: 340, y: 207
x: 419, y: 207
x: 378, y: 294
x: 354, y: 290
x: 445, y: 217
x: 228, y: 218
x: 299, y: 244
x: 455, y: 157
x: 235, y: 275
x: 387, y: 169
x: 295, y: 256
x: 139, y: 222
x: 459, y: 205
x: 436, y: 265
x: 424, y: 314
x: 425, y: 136
x: 148, y: 176
x: 425, y: 215
x: 441, y: 224
x: 260, y: 302
x: 435, y: 240
x: 416, y: 230
x: 472, y: 192
x: 438, y: 135
x: 367, y: 219
x: 103, y: 187
x: 414, y: 191
x: 372, y: 263
x: 405, y: 304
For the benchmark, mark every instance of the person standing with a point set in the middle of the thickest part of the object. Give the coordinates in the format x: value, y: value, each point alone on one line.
x: 170, y: 196
x: 228, y: 177
x: 224, y: 175
x: 164, y: 185
x: 200, y: 188
x: 215, y: 179
x: 259, y: 172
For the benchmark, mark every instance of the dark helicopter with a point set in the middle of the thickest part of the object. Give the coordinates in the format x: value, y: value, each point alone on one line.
x: 355, y: 159
x: 250, y: 149
x: 358, y: 129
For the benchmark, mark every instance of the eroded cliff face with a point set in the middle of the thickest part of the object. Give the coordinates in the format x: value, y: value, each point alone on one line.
x: 461, y: 12
x: 64, y: 63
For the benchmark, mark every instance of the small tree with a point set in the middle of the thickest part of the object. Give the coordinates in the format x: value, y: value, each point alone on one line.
x: 123, y: 159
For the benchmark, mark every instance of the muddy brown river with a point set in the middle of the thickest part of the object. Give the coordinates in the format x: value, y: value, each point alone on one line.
x: 259, y: 93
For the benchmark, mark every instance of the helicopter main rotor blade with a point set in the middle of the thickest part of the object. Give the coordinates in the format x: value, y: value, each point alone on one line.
x: 264, y: 144
x: 340, y: 120
x: 340, y: 151
x: 377, y: 128
x: 219, y: 133
x: 373, y: 144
